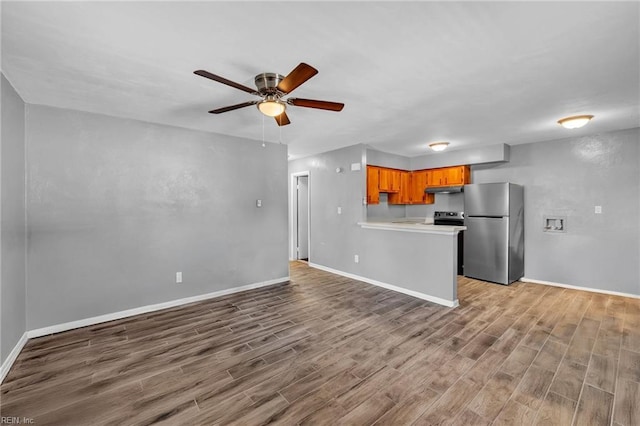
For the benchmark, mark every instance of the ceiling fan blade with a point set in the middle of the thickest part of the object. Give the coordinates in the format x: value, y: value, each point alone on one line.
x: 311, y: 103
x: 295, y: 78
x: 232, y: 107
x: 207, y: 74
x: 282, y: 119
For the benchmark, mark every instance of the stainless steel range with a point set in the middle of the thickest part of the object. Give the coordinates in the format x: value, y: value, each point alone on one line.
x: 453, y: 219
x: 448, y: 218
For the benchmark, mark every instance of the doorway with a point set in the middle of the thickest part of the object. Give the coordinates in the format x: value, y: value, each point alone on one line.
x: 300, y: 216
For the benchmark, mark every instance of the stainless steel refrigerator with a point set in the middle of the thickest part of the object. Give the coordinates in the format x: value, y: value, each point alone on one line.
x: 494, y: 239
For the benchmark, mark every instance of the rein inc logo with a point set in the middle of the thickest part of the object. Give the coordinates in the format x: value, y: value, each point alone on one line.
x: 7, y: 420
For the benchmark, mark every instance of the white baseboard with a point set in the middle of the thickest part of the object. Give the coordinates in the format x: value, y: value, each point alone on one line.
x: 575, y: 287
x: 146, y: 309
x: 429, y: 298
x: 58, y: 328
x: 7, y: 363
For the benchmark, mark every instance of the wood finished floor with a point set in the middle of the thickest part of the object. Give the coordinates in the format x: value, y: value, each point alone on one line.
x: 325, y: 349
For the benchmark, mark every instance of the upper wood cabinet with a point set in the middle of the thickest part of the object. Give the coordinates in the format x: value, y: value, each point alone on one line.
x: 403, y: 196
x: 373, y: 178
x: 419, y: 181
x: 406, y: 187
x: 450, y: 176
x: 389, y: 180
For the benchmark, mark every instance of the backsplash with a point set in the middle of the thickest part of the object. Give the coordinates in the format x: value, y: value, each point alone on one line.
x: 384, y: 210
x: 443, y: 202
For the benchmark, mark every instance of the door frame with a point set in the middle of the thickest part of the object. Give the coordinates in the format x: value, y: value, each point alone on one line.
x: 293, y: 202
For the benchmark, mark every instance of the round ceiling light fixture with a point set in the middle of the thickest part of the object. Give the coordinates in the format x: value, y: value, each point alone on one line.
x: 271, y: 106
x: 438, y: 146
x: 575, y: 122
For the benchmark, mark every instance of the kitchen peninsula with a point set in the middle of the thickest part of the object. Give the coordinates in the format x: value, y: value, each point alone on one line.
x: 414, y: 258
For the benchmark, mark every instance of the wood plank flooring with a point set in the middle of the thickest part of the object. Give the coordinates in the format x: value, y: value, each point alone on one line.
x: 325, y: 349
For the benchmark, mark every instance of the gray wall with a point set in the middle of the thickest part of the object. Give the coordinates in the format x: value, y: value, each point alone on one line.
x: 480, y: 155
x: 569, y: 177
x: 385, y: 159
x: 116, y: 207
x: 334, y: 238
x: 13, y: 229
x: 409, y: 260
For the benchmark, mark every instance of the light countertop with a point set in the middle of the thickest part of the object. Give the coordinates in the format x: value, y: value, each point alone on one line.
x: 411, y: 225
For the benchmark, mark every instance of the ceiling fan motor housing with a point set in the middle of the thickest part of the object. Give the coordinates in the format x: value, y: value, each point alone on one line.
x: 267, y: 82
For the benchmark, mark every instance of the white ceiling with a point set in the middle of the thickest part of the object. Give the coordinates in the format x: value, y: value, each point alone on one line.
x: 408, y: 72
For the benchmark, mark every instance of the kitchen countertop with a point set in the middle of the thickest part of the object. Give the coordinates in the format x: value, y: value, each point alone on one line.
x: 411, y: 225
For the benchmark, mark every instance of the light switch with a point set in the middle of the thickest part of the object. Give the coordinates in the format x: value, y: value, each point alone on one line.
x: 598, y: 210
x: 258, y: 203
x: 339, y: 210
x: 355, y: 167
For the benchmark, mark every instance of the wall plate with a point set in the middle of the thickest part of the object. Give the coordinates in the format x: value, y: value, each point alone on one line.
x: 554, y: 224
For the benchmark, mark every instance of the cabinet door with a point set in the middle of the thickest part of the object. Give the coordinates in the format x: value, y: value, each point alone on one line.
x: 460, y: 175
x: 418, y: 184
x: 403, y: 196
x: 438, y: 177
x: 449, y: 176
x: 455, y: 175
x: 373, y: 194
x: 384, y: 181
x: 405, y: 188
x: 389, y: 180
x: 419, y: 181
x: 396, y: 176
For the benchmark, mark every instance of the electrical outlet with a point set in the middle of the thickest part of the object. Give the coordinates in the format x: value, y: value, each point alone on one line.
x: 258, y: 203
x: 598, y: 210
x: 356, y: 258
x: 178, y: 277
x: 339, y: 210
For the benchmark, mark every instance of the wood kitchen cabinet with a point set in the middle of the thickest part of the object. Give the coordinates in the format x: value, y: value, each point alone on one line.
x: 419, y: 181
x: 403, y: 196
x: 450, y: 176
x: 373, y: 179
x: 405, y: 187
x: 389, y: 180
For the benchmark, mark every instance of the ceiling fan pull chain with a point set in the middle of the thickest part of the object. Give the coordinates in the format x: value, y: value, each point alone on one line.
x: 263, y: 144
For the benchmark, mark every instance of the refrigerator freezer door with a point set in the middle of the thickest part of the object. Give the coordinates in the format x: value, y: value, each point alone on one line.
x: 486, y: 249
x: 486, y: 199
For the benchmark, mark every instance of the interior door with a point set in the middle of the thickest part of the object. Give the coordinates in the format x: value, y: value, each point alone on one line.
x: 302, y: 238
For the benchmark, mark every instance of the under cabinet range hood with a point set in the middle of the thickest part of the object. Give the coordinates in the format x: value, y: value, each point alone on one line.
x: 444, y: 189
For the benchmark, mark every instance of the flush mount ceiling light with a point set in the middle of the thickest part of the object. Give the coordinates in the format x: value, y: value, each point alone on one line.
x: 438, y: 146
x: 271, y: 106
x: 575, y: 122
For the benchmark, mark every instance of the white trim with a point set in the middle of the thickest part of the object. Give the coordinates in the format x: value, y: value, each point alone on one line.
x: 145, y: 309
x: 293, y: 254
x: 11, y: 358
x: 575, y: 287
x: 429, y: 298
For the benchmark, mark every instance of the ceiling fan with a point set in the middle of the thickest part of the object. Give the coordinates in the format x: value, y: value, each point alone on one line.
x: 272, y: 88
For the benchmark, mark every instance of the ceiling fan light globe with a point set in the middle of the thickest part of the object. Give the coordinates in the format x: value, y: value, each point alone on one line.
x: 271, y: 108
